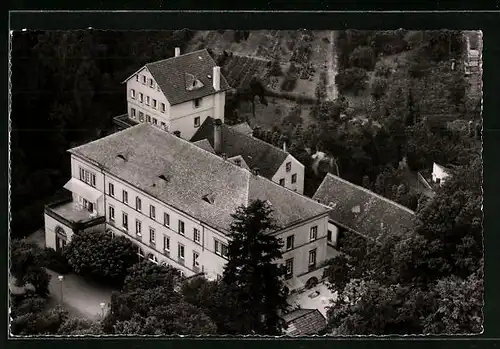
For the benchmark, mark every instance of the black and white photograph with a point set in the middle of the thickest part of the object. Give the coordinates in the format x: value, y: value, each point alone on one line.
x: 288, y: 183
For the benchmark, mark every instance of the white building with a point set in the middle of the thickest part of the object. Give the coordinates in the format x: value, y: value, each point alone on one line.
x: 439, y: 174
x: 174, y: 200
x: 177, y: 94
x: 233, y: 143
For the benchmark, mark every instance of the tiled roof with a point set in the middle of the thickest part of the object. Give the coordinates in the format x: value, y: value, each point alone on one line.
x: 362, y: 210
x: 204, y: 144
x: 191, y: 174
x: 243, y: 127
x: 304, y: 322
x: 255, y: 152
x: 173, y: 73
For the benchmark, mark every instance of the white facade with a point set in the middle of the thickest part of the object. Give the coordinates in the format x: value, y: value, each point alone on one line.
x: 291, y: 175
x: 147, y: 103
x: 160, y: 238
x: 439, y: 174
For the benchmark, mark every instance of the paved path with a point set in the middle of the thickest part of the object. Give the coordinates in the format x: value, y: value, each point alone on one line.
x: 81, y: 297
x: 331, y: 88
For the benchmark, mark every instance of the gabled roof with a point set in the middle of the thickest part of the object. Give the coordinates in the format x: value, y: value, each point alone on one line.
x: 304, y: 322
x: 362, y: 210
x: 254, y: 151
x: 192, y: 173
x: 204, y: 144
x: 243, y: 127
x: 174, y: 74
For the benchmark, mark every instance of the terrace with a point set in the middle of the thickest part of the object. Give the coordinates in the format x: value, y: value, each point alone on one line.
x: 123, y: 121
x: 73, y: 214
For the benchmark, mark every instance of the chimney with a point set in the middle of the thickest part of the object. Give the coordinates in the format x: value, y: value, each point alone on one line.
x: 177, y: 133
x: 216, y: 78
x: 218, y: 136
x: 177, y: 51
x: 255, y: 171
x: 284, y: 146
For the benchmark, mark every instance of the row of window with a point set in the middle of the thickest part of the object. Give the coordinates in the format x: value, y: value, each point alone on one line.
x: 144, y: 81
x: 313, y: 235
x: 311, y: 263
x: 219, y: 247
x: 148, y: 119
x: 148, y: 100
x: 294, y: 180
x: 87, y: 176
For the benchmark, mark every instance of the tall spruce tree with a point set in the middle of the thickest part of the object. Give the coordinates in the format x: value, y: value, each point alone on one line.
x: 252, y: 271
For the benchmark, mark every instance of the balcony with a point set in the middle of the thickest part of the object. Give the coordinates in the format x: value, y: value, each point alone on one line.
x: 73, y: 214
x: 123, y: 121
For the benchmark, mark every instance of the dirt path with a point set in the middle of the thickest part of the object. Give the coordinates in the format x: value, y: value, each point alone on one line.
x: 331, y: 88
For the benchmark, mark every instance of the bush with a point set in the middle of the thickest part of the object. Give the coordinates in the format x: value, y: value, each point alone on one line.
x: 362, y: 57
x: 101, y: 256
x: 55, y: 261
x: 289, y: 83
x: 379, y: 87
x: 383, y: 69
x: 351, y: 80
x: 389, y: 42
x: 275, y: 68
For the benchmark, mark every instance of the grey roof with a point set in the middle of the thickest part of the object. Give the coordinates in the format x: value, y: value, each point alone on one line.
x: 191, y: 174
x: 254, y: 151
x: 173, y: 73
x: 243, y: 127
x: 204, y: 144
x: 362, y: 210
x: 304, y: 322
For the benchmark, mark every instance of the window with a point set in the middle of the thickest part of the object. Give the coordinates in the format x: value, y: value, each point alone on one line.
x: 132, y: 113
x: 313, y: 234
x: 312, y: 258
x: 141, y: 116
x: 289, y: 242
x: 196, y: 260
x: 166, y: 219
x: 152, y: 237
x: 220, y: 248
x: 294, y: 178
x: 288, y: 166
x: 155, y: 121
x: 197, y: 102
x: 147, y: 100
x: 138, y: 203
x: 154, y: 103
x: 282, y: 182
x: 138, y: 227
x: 151, y: 83
x: 163, y: 107
x: 111, y: 189
x: 125, y: 197
x: 289, y: 268
x: 125, y: 220
x: 152, y: 258
x: 136, y: 77
x: 181, y: 227
x: 180, y: 252
x: 87, y: 176
x: 157, y: 87
x: 144, y: 79
x: 148, y: 118
x: 152, y: 212
x: 329, y: 235
x: 197, y: 121
x: 163, y: 125
x: 111, y: 213
x: 141, y: 97
x: 132, y: 93
x: 166, y: 243
x: 196, y: 235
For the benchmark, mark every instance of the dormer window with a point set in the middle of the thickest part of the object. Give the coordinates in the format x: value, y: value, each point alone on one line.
x: 192, y: 83
x: 209, y: 198
x: 197, y: 102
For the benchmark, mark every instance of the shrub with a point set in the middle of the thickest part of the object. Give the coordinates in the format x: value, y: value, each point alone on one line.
x: 351, y: 80
x: 275, y: 68
x: 383, y: 69
x: 54, y: 260
x: 101, y: 256
x: 379, y: 87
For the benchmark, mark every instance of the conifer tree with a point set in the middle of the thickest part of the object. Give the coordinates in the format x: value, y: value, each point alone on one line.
x: 252, y: 270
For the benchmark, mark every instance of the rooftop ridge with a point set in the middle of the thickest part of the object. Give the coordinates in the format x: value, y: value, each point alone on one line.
x: 257, y: 139
x: 366, y: 191
x: 182, y: 55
